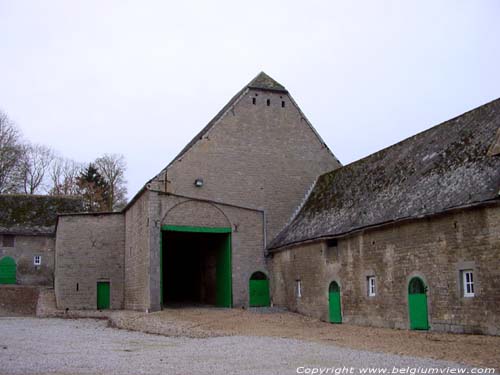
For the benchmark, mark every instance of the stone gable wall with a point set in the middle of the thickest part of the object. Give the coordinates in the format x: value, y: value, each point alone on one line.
x: 89, y: 248
x: 256, y: 156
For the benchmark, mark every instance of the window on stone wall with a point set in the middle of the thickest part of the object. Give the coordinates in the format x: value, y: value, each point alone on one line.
x: 37, y: 260
x: 331, y: 251
x: 371, y: 286
x: 299, y: 288
x: 468, y: 283
x: 8, y: 240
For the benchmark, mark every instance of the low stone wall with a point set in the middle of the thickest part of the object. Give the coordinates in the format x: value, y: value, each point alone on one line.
x: 18, y: 300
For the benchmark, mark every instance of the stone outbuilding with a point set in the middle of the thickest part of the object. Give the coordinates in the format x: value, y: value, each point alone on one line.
x: 27, y: 236
x: 408, y: 237
x: 197, y: 232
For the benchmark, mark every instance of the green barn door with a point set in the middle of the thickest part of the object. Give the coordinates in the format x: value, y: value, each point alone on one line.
x: 259, y: 290
x: 103, y: 295
x: 334, y: 303
x: 7, y: 271
x: 223, y: 272
x: 417, y: 304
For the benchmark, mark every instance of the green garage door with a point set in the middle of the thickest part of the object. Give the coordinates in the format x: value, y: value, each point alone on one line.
x: 335, y: 313
x: 259, y: 290
x: 7, y: 270
x: 103, y: 295
x: 417, y: 304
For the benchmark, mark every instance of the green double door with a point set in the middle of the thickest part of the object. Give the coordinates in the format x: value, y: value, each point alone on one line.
x: 259, y: 290
x: 7, y: 270
x: 417, y: 304
x: 103, y: 295
x: 335, y: 312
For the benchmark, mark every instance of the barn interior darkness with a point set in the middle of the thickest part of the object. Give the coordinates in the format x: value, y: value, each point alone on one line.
x: 190, y: 267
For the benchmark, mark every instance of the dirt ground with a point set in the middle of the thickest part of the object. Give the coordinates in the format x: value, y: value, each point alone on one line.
x: 473, y: 350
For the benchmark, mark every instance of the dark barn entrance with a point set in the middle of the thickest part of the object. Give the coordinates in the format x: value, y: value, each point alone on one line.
x: 196, y: 266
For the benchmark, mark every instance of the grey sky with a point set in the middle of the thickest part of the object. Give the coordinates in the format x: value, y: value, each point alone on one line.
x: 141, y: 78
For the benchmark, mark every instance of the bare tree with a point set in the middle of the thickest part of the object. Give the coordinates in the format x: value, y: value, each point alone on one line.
x: 112, y: 167
x: 11, y: 154
x: 35, y: 166
x: 63, y: 176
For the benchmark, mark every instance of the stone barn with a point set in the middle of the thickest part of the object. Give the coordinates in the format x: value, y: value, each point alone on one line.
x: 197, y: 232
x: 256, y: 210
x: 408, y: 237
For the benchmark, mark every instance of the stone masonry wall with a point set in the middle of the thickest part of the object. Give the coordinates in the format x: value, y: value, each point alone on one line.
x: 436, y: 249
x: 247, y: 236
x: 258, y: 156
x: 137, y: 252
x: 23, y: 252
x: 89, y: 248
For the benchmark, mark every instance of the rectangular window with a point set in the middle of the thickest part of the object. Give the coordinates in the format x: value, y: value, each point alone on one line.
x: 37, y: 260
x: 371, y: 286
x: 331, y: 251
x: 8, y: 240
x: 468, y: 283
x: 299, y: 289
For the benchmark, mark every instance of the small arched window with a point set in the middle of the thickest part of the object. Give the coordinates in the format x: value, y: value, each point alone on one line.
x: 258, y: 276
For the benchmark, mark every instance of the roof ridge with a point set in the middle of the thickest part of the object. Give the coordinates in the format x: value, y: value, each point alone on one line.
x: 262, y: 81
x: 411, y: 137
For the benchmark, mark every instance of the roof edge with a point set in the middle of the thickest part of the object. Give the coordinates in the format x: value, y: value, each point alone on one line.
x: 275, y: 249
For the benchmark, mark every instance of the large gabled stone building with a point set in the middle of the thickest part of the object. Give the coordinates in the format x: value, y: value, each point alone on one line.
x: 408, y: 237
x: 198, y: 230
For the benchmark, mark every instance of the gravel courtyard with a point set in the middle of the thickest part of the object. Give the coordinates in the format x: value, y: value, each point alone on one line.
x: 87, y: 346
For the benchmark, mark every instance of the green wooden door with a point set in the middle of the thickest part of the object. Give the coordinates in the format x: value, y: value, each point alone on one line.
x: 223, y: 274
x: 259, y: 290
x: 103, y: 300
x: 417, y: 304
x: 334, y: 303
x: 7, y: 270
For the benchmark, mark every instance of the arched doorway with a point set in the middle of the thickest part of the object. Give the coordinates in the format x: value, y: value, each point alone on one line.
x: 335, y: 313
x: 417, y: 304
x: 7, y: 270
x: 259, y: 290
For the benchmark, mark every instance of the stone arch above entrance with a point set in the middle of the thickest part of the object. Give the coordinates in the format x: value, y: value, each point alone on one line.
x: 197, y: 214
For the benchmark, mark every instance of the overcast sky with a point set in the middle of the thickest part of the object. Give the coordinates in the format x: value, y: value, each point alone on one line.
x: 141, y: 78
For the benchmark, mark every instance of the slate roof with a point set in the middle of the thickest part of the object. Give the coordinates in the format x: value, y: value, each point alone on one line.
x: 261, y: 82
x: 34, y: 214
x: 445, y: 167
x: 264, y: 82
